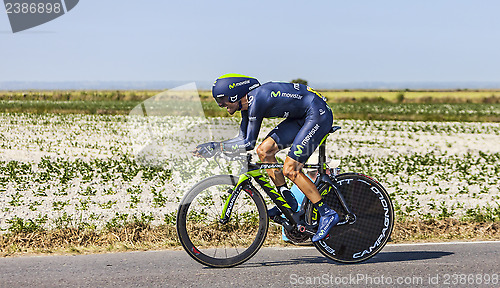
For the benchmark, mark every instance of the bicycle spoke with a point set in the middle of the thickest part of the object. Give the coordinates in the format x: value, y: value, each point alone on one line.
x: 209, y: 241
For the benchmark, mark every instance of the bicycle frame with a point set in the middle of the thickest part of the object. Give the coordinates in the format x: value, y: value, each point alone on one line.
x: 257, y: 171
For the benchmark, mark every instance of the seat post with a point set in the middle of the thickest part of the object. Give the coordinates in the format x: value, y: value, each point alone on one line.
x: 322, y: 157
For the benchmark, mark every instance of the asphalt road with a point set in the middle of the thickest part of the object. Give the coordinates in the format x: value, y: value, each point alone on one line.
x: 473, y: 264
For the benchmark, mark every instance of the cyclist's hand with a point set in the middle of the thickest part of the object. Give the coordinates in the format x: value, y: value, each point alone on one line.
x: 207, y: 150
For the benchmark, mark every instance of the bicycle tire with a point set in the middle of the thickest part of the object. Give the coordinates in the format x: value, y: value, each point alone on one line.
x: 214, y: 244
x: 363, y: 239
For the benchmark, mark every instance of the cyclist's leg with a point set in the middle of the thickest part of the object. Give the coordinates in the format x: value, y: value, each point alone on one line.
x: 280, y: 137
x: 317, y: 125
x: 293, y: 170
x: 267, y: 153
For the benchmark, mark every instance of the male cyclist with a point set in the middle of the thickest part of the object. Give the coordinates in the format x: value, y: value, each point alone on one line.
x: 308, y: 119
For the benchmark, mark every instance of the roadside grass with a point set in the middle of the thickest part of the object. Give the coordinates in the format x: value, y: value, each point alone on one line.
x: 140, y: 237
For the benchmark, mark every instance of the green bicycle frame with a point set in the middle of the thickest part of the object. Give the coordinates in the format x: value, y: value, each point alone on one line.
x: 244, y: 183
x: 257, y: 171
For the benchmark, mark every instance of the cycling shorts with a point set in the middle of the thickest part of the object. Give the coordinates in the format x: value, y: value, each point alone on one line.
x: 306, y: 134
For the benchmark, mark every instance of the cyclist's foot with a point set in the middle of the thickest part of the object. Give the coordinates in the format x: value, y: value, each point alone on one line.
x: 290, y: 199
x: 326, y: 223
x: 273, y: 212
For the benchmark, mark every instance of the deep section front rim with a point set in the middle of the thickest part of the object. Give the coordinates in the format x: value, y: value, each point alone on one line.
x: 215, y: 244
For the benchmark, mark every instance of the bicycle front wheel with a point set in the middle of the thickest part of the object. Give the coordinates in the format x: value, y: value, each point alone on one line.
x: 374, y: 220
x: 211, y: 242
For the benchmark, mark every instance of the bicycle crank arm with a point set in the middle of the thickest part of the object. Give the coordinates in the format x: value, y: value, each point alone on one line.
x: 283, y: 222
x: 306, y: 230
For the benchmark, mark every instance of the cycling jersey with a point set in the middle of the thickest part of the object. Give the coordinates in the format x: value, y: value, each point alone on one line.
x: 308, y: 119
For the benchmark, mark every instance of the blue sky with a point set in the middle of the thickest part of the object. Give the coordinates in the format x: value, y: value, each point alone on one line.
x: 321, y: 41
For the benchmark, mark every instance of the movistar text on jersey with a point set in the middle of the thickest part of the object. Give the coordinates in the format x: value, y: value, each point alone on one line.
x: 310, y: 134
x: 287, y: 95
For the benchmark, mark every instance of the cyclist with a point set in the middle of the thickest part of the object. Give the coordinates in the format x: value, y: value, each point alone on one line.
x: 308, y: 119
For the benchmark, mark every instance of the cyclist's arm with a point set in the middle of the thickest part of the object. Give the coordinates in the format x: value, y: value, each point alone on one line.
x: 249, y: 131
x: 232, y: 145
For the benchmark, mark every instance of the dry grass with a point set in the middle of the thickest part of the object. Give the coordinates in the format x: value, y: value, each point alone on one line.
x: 77, y: 241
x: 444, y: 230
x: 141, y: 237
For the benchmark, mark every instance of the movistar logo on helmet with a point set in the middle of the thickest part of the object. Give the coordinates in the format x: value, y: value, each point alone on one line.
x: 231, y: 86
x: 275, y: 94
x: 253, y: 86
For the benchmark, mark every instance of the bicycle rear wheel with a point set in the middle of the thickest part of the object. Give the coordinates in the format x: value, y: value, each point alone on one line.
x: 205, y: 238
x: 361, y: 240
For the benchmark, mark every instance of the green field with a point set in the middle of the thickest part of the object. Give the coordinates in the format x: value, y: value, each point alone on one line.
x: 444, y: 105
x: 69, y: 180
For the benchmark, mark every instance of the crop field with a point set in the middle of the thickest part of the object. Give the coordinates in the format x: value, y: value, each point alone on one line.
x: 77, y: 170
x: 70, y: 170
x: 414, y: 105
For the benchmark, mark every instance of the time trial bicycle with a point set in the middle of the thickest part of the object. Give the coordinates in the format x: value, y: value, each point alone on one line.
x: 222, y: 221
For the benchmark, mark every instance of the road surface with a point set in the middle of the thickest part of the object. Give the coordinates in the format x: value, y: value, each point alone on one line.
x: 455, y: 264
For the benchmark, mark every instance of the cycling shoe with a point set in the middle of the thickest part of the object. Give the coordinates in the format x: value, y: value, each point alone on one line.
x: 273, y: 212
x: 325, y: 224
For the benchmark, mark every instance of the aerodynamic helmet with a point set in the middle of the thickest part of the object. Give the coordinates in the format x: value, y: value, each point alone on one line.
x: 233, y: 87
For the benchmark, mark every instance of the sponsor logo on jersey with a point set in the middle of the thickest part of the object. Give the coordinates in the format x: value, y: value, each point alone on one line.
x: 286, y: 114
x: 287, y: 95
x: 310, y: 134
x: 231, y: 86
x: 252, y: 118
x: 299, y: 150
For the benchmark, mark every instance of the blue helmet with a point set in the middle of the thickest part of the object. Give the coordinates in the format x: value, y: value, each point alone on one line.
x: 233, y: 87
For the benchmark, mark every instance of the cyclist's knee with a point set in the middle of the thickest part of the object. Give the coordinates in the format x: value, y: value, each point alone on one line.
x: 262, y: 152
x: 267, y: 149
x: 290, y: 172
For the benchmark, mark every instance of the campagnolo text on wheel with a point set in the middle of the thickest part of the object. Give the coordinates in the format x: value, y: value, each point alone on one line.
x: 223, y: 220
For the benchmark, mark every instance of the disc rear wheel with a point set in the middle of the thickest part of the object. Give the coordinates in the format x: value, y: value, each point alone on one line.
x: 372, y: 227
